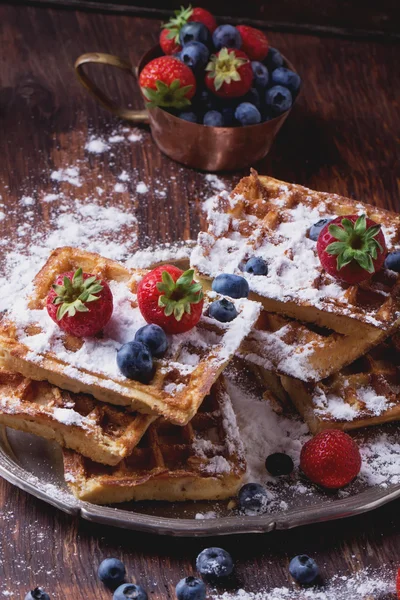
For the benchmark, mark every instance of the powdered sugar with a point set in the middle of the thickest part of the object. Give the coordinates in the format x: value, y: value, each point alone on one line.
x: 364, y: 584
x: 142, y: 188
x: 97, y: 146
x: 69, y: 175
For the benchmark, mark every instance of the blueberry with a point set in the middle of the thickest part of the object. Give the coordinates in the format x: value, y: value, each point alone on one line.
x: 278, y: 99
x: 111, y: 572
x: 260, y: 73
x: 273, y: 60
x: 303, y: 569
x: 228, y: 116
x: 316, y: 229
x: 188, y: 116
x: 204, y: 101
x: 252, y: 96
x: 130, y: 591
x: 253, y: 499
x: 134, y: 360
x: 226, y: 36
x: 234, y: 286
x: 190, y: 588
x: 194, y: 32
x: 37, y: 594
x: 279, y: 464
x: 223, y: 310
x: 153, y: 336
x: 247, y: 114
x: 213, y: 118
x: 256, y: 266
x: 287, y: 78
x: 195, y: 55
x: 392, y: 261
x: 214, y: 562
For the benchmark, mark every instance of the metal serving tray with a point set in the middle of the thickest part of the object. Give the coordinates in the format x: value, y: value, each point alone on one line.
x: 35, y: 466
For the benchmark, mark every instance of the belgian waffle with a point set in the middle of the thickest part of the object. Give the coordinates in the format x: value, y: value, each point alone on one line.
x: 203, y: 460
x: 302, y: 350
x: 33, y: 345
x: 367, y: 392
x: 102, y: 432
x: 269, y: 218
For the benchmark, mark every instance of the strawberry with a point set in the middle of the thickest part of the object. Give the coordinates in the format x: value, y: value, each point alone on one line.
x: 331, y: 459
x: 183, y: 16
x: 168, y: 42
x: 254, y: 42
x: 170, y: 298
x: 352, y: 248
x: 229, y: 73
x: 166, y: 81
x: 80, y: 303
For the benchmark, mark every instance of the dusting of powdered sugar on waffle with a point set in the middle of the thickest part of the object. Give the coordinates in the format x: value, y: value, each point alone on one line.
x: 294, y: 268
x: 330, y: 405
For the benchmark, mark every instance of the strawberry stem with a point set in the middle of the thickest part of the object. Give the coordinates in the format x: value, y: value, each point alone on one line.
x: 73, y: 295
x: 355, y: 242
x: 178, y: 296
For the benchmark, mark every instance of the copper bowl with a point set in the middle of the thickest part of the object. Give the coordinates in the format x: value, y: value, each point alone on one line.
x: 192, y: 144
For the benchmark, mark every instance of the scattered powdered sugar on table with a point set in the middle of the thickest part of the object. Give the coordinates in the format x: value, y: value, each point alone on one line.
x: 97, y: 145
x: 142, y: 188
x: 363, y: 585
x: 70, y: 175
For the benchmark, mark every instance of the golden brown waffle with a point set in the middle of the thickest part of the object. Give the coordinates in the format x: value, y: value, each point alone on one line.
x: 367, y: 392
x: 33, y: 345
x: 201, y: 461
x: 302, y: 350
x: 269, y: 218
x: 102, y: 432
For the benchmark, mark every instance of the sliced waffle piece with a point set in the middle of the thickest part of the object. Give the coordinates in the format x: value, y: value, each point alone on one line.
x: 102, y: 432
x: 308, y: 352
x: 203, y: 460
x: 367, y: 392
x: 33, y: 345
x: 271, y: 219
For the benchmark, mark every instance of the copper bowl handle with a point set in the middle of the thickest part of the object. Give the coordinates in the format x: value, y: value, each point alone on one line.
x: 137, y: 116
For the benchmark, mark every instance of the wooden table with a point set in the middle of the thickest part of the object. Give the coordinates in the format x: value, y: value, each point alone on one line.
x: 343, y: 136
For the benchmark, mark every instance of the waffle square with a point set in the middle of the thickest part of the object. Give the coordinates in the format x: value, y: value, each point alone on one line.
x: 367, y: 392
x: 269, y: 218
x: 301, y: 350
x: 33, y: 345
x: 100, y: 431
x: 204, y: 460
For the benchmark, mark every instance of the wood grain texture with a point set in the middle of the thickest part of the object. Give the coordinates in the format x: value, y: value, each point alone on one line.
x: 343, y: 136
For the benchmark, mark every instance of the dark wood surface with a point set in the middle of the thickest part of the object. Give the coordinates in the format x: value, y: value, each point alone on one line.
x: 343, y: 136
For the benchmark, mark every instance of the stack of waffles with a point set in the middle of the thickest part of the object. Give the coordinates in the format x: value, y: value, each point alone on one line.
x: 175, y: 438
x: 331, y: 348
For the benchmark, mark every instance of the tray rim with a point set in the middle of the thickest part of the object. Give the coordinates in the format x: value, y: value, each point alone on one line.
x: 363, y: 502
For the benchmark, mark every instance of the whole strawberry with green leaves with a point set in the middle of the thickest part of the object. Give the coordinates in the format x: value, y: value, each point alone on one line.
x: 352, y: 248
x: 169, y: 36
x: 229, y: 73
x: 170, y: 298
x: 80, y: 303
x: 167, y: 82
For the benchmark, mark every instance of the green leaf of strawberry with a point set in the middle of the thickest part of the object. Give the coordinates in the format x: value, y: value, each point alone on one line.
x: 172, y: 96
x: 73, y: 294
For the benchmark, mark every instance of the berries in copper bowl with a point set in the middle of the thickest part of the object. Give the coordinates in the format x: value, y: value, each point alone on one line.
x: 229, y: 76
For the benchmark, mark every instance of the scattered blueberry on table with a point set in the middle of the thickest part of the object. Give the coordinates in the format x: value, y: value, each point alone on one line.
x: 37, y: 594
x: 190, y: 588
x: 214, y: 563
x: 111, y: 572
x: 303, y: 569
x: 130, y: 591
